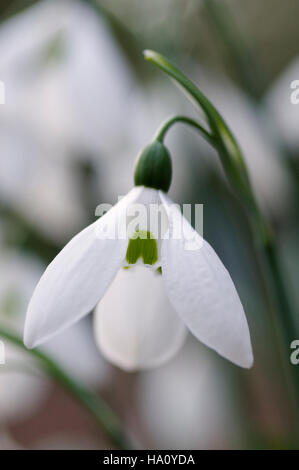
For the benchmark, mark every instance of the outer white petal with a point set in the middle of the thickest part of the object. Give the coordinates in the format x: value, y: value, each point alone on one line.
x: 135, y: 325
x: 77, y: 278
x: 203, y: 293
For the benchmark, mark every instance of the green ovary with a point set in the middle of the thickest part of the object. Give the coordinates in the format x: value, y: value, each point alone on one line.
x: 142, y: 245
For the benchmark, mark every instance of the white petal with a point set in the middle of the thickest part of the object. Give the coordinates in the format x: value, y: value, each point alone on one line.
x: 135, y: 325
x: 77, y: 278
x: 203, y: 293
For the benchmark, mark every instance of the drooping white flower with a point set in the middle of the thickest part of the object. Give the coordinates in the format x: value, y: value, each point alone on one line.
x: 91, y: 267
x: 56, y: 61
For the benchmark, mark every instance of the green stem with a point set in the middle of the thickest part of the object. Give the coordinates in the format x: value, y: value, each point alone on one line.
x: 91, y: 401
x: 160, y: 135
x: 225, y: 143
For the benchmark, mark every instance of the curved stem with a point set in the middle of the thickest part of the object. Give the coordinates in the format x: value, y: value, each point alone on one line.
x: 91, y: 401
x: 225, y: 143
x: 160, y: 135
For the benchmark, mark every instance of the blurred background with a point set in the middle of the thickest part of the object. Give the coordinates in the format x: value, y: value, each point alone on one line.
x: 80, y: 103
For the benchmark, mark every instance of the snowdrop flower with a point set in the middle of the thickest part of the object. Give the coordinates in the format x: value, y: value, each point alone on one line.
x: 93, y: 263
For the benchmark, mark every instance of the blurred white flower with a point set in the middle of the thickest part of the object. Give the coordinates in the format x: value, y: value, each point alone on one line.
x: 76, y: 351
x: 19, y: 275
x: 68, y: 88
x: 185, y: 404
x: 22, y: 389
x: 39, y: 185
x: 196, y: 282
x: 64, y: 74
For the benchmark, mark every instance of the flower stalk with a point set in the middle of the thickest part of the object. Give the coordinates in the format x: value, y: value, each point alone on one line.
x: 92, y: 402
x: 160, y: 134
x: 220, y: 136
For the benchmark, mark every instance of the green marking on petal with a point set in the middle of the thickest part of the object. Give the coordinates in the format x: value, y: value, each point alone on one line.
x: 142, y: 245
x: 159, y: 270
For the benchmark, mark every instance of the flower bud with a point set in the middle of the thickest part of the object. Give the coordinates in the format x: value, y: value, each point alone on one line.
x: 153, y: 167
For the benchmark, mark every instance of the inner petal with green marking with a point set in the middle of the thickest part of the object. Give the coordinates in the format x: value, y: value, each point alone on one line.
x: 143, y: 246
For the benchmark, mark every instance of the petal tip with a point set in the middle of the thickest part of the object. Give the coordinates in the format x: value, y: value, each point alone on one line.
x: 28, y: 342
x: 246, y: 361
x: 248, y: 364
x: 29, y: 337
